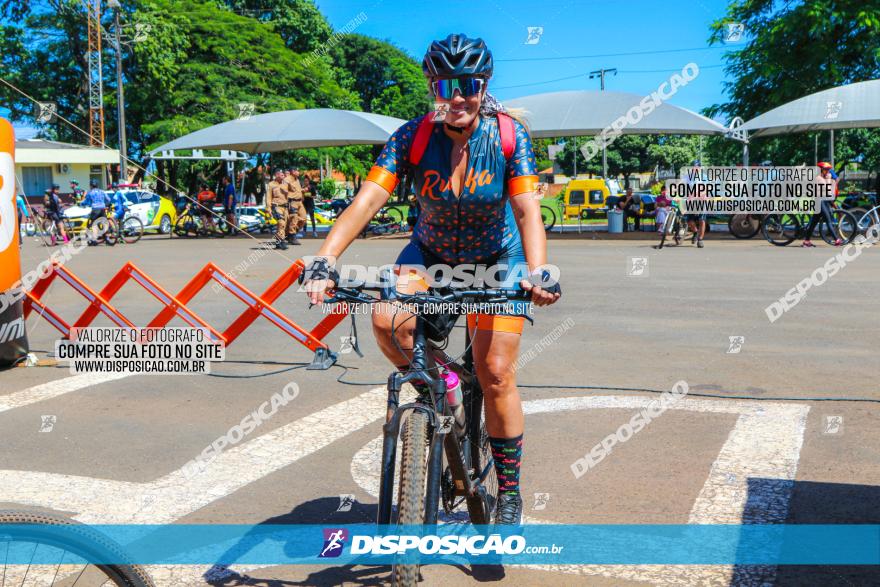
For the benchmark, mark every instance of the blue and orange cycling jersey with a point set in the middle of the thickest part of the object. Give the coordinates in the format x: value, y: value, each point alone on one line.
x: 478, y: 226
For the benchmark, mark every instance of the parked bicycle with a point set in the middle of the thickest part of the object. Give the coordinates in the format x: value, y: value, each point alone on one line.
x: 81, y: 553
x: 445, y: 451
x: 784, y: 229
x: 388, y: 220
x: 190, y: 224
x: 674, y: 226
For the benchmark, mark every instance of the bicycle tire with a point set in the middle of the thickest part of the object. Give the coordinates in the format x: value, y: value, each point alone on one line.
x: 110, y: 235
x: 89, y: 545
x: 846, y: 224
x: 132, y: 230
x: 411, y: 492
x: 743, y: 226
x: 548, y: 216
x: 780, y: 229
x: 868, y: 219
x: 668, y: 228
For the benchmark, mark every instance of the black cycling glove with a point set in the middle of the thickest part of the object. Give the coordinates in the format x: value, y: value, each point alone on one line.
x: 319, y: 269
x: 546, y: 282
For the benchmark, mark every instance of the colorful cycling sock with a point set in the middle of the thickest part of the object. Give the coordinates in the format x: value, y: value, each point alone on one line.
x: 507, y: 454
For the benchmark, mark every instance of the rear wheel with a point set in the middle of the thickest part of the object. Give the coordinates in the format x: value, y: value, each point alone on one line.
x: 669, y: 228
x: 780, y: 229
x: 868, y: 219
x: 76, y: 548
x: 548, y: 216
x: 411, y: 494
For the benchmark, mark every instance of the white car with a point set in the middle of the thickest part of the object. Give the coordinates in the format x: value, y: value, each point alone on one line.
x: 155, y: 212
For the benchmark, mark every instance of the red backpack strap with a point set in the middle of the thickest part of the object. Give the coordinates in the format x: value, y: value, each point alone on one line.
x: 507, y: 133
x: 421, y: 138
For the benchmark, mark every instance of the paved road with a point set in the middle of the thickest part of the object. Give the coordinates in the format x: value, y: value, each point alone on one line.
x: 762, y: 448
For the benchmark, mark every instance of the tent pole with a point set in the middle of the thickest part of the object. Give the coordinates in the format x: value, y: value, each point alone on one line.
x: 746, y: 150
x: 831, y: 146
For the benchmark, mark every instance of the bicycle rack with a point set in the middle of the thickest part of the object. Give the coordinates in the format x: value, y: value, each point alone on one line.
x: 175, y: 306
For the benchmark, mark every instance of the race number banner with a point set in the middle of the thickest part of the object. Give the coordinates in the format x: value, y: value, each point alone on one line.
x: 13, y: 339
x: 750, y: 190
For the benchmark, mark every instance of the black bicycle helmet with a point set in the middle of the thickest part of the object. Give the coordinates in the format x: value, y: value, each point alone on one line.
x: 458, y: 55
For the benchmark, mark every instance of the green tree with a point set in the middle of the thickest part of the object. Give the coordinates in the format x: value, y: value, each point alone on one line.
x: 795, y: 49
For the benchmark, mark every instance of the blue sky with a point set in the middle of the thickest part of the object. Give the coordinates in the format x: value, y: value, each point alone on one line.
x: 665, y: 34
x: 572, y: 28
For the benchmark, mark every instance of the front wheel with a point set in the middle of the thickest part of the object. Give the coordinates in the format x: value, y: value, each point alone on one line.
x: 132, y: 230
x: 411, y: 494
x: 780, y: 229
x: 186, y: 227
x: 81, y: 549
x: 846, y: 227
x: 548, y: 216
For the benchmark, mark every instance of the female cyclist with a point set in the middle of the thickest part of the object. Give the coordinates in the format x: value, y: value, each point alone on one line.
x: 477, y: 207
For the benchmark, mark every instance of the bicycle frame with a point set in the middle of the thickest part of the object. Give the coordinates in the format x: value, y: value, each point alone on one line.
x: 457, y: 448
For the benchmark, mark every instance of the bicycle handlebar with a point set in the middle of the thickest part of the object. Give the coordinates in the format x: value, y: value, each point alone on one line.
x: 356, y: 295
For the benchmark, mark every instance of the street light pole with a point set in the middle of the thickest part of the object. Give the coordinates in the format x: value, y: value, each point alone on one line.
x: 600, y: 73
x: 120, y: 96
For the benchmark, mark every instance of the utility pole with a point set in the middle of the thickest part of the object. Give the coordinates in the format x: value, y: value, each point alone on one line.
x: 600, y: 73
x: 120, y: 94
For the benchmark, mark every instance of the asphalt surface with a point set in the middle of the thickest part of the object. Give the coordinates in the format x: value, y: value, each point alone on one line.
x: 757, y: 439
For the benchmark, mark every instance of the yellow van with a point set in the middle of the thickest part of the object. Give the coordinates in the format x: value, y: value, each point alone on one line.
x: 587, y: 197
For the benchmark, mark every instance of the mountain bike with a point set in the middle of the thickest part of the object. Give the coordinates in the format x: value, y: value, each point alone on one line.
x: 190, y: 224
x: 445, y: 451
x: 784, y: 229
x: 77, y: 551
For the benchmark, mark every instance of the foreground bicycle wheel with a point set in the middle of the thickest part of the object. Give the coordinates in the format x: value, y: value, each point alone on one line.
x: 411, y: 493
x: 780, y: 229
x: 34, y: 533
x: 669, y: 227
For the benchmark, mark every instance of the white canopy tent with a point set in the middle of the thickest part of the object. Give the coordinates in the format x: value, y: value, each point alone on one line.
x: 589, y: 112
x: 290, y: 129
x: 852, y: 106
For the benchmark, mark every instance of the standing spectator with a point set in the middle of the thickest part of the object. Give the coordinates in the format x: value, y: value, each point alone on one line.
x: 826, y: 176
x: 98, y: 201
x: 296, y: 211
x: 309, y: 193
x: 276, y: 202
x: 229, y: 200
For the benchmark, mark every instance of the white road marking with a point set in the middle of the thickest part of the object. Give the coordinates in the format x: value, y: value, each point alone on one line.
x: 53, y: 389
x: 175, y: 495
x: 763, y: 447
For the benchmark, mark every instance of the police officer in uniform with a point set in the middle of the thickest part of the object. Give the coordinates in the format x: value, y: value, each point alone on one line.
x: 276, y: 201
x: 296, y: 209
